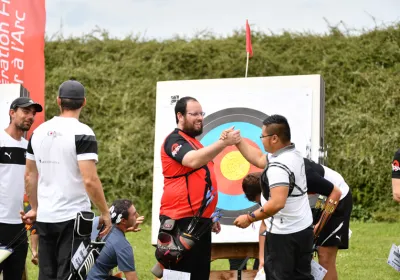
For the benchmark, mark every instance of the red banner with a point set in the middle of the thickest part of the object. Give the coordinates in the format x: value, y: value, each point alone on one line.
x: 22, y: 27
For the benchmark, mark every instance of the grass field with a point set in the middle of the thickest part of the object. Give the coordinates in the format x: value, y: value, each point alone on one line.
x: 366, y: 259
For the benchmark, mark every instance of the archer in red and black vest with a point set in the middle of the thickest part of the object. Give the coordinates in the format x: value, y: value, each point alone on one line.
x: 184, y: 187
x: 190, y: 193
x: 184, y: 198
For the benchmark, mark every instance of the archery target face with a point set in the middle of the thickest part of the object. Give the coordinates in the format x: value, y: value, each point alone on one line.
x: 243, y: 103
x: 230, y: 166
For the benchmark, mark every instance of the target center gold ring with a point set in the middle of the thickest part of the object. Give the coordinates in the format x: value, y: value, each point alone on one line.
x: 234, y: 166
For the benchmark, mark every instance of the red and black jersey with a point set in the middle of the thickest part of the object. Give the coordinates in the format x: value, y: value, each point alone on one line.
x: 396, y: 165
x: 180, y: 189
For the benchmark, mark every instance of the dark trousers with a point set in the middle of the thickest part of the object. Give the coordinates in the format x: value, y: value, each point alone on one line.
x: 55, y: 249
x: 197, y: 260
x: 13, y: 267
x: 288, y: 256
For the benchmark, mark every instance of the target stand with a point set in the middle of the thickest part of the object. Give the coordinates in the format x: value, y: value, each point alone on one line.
x: 233, y: 251
x: 243, y: 103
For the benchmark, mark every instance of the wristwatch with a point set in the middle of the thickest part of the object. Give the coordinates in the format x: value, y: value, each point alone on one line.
x: 252, y: 216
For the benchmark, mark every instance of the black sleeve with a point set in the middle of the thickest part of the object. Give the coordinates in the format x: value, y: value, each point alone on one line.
x: 177, y: 147
x: 85, y: 144
x: 29, y: 149
x: 317, y: 184
x: 396, y: 165
x: 308, y: 163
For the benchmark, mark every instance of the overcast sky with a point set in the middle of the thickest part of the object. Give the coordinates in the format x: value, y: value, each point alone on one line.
x: 163, y: 19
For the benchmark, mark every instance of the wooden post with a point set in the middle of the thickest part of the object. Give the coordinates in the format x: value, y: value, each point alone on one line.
x: 233, y: 251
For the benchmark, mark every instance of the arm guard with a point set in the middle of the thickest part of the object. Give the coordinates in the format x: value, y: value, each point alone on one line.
x: 329, y: 208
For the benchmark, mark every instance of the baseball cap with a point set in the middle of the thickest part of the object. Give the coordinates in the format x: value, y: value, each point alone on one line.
x: 24, y: 102
x: 71, y: 89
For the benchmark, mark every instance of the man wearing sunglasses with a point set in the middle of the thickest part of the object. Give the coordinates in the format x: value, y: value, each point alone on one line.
x: 289, y: 240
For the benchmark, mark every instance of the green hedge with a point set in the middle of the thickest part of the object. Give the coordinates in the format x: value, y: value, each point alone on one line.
x: 362, y: 75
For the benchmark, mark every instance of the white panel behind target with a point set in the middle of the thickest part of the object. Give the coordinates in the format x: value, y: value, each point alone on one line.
x: 244, y: 103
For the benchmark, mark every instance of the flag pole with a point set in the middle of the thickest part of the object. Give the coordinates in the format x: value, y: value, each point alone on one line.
x: 247, y: 64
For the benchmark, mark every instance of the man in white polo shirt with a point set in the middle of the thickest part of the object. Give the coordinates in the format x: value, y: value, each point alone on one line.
x: 62, y: 153
x: 12, y: 166
x: 289, y: 242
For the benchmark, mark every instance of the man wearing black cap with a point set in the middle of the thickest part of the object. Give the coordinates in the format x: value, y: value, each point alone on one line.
x: 12, y: 166
x: 62, y: 153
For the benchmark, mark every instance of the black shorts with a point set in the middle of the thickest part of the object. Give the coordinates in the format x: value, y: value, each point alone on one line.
x: 336, y: 232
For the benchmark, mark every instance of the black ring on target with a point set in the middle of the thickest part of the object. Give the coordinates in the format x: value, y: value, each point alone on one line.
x: 249, y: 121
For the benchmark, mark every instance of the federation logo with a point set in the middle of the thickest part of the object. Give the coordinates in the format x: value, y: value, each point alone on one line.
x: 395, y: 166
x: 175, y: 149
x: 54, y: 133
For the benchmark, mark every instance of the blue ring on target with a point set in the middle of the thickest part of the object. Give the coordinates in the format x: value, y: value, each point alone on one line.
x: 247, y: 130
x: 249, y: 121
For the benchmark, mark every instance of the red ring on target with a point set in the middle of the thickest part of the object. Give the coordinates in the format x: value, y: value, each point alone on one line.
x: 226, y: 185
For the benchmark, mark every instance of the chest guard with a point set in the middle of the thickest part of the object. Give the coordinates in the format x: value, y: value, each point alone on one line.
x: 264, y: 183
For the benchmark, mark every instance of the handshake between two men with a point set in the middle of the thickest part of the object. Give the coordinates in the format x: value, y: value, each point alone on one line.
x: 231, y: 136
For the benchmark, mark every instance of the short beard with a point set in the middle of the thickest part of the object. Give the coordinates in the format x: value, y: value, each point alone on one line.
x: 193, y: 133
x: 23, y: 127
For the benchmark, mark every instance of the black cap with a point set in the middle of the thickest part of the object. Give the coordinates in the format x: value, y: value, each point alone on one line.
x: 24, y: 102
x: 71, y: 89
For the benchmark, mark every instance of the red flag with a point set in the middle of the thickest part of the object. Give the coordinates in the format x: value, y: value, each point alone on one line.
x: 249, y: 48
x: 22, y: 25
